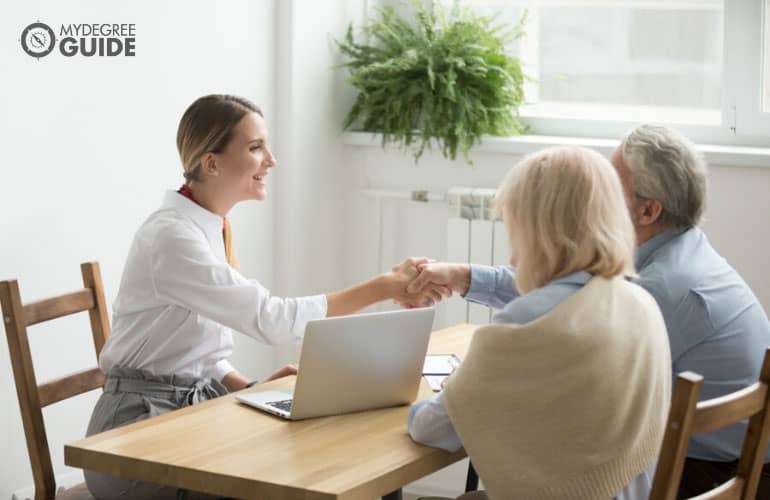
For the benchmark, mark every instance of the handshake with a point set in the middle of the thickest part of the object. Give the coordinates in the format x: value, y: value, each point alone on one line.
x: 421, y: 282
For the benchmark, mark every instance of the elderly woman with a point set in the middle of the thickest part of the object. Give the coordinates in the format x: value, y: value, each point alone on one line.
x: 566, y: 396
x: 181, y: 295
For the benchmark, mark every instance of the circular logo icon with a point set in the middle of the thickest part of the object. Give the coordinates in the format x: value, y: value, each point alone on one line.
x: 38, y: 40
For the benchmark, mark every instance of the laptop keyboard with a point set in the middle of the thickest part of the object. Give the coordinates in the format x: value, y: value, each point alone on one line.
x: 284, y: 405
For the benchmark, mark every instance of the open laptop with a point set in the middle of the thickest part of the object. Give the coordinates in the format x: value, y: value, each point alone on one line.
x: 354, y: 363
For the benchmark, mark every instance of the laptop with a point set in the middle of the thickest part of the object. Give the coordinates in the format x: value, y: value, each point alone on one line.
x: 354, y: 363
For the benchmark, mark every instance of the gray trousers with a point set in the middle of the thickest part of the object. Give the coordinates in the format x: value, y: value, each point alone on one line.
x: 133, y: 395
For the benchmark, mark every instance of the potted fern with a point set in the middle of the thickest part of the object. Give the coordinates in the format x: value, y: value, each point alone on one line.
x: 445, y: 75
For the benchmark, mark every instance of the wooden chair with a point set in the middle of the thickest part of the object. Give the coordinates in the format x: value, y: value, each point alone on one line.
x: 33, y: 396
x: 688, y: 417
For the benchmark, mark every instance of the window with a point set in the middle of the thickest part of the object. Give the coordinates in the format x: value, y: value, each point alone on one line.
x: 601, y: 66
x: 747, y: 72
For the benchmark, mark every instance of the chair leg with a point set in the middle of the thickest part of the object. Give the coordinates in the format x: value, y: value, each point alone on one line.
x: 472, y: 480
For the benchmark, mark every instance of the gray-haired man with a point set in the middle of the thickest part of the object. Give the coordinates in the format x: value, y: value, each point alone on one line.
x: 716, y: 326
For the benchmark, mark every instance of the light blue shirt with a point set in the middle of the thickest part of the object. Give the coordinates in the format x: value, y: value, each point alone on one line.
x: 429, y: 422
x: 716, y: 326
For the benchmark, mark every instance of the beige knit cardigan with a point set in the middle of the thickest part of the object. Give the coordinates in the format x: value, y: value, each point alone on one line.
x: 572, y: 405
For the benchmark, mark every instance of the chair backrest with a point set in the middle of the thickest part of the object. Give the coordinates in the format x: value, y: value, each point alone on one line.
x: 688, y: 417
x: 33, y: 396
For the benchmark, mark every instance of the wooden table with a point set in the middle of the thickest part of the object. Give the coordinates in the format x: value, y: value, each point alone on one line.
x: 228, y: 449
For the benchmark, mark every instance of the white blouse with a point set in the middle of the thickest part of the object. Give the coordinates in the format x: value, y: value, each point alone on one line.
x: 179, y: 299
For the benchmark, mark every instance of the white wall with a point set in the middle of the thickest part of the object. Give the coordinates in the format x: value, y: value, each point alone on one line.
x: 312, y: 99
x: 88, y: 148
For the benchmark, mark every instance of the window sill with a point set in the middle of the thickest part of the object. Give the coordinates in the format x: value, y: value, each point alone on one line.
x: 734, y: 156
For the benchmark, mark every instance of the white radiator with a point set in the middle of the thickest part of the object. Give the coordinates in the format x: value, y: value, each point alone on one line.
x: 472, y: 236
x: 477, y: 242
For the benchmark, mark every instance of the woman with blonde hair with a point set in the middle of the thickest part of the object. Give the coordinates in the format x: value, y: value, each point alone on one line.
x: 566, y: 395
x: 181, y: 294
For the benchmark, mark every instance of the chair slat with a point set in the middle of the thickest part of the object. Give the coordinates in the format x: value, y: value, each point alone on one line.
x: 717, y: 413
x: 100, y: 322
x: 674, y: 447
x: 70, y: 385
x: 731, y: 490
x: 56, y: 307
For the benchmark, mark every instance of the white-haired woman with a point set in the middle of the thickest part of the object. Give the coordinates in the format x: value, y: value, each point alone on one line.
x: 566, y: 395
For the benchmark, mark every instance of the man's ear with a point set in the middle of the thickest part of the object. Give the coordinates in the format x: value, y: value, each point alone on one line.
x: 649, y: 211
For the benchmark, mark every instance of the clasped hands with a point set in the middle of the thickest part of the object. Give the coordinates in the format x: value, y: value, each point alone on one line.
x: 424, y: 282
x: 415, y: 282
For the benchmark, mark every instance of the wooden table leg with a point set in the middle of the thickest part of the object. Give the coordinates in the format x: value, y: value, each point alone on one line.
x: 394, y: 495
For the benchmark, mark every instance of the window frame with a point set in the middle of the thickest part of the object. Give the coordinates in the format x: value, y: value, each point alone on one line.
x: 743, y: 76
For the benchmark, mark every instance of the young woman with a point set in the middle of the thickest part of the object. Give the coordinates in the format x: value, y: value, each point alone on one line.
x: 566, y: 396
x: 181, y: 294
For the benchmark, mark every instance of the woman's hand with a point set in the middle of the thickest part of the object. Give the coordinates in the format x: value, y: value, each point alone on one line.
x: 456, y: 277
x: 234, y: 381
x: 446, y: 379
x: 404, y: 273
x: 390, y: 285
x: 283, y: 372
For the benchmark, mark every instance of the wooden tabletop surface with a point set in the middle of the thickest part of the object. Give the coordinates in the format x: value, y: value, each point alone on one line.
x: 229, y: 449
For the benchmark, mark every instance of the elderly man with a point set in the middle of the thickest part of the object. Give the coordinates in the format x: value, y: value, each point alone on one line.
x: 716, y: 326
